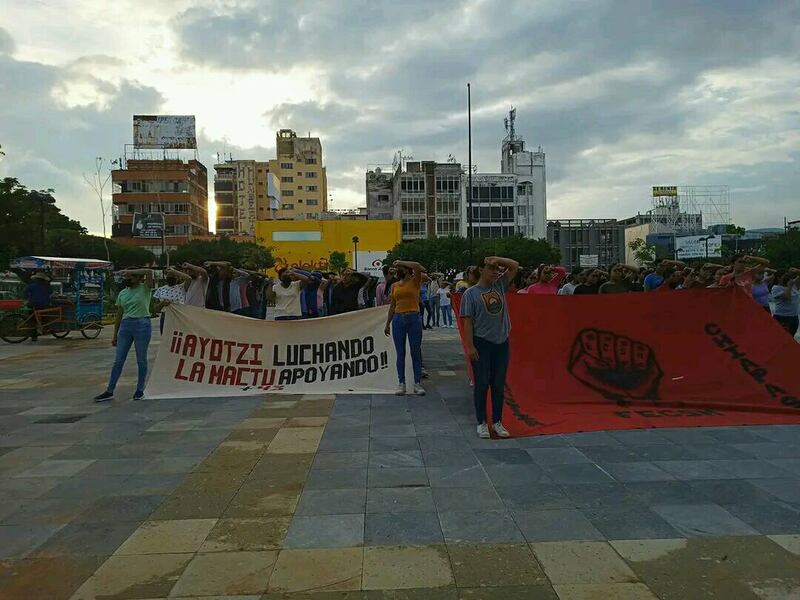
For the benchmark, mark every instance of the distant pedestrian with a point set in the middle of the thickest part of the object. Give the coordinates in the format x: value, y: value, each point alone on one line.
x: 445, y: 305
x: 786, y: 296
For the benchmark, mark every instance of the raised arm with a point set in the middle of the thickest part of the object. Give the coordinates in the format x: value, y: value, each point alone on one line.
x: 509, y: 264
x: 299, y: 276
x: 757, y: 261
x: 199, y: 271
x: 179, y: 274
x: 146, y: 273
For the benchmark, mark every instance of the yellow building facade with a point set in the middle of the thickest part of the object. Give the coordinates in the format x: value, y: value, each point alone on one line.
x: 308, y: 244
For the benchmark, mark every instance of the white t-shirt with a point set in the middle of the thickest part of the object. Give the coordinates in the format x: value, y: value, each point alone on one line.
x: 444, y: 300
x: 196, y: 294
x: 287, y: 300
x: 174, y: 293
x: 567, y: 289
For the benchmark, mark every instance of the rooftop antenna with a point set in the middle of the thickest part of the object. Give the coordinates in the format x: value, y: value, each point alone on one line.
x: 509, y: 123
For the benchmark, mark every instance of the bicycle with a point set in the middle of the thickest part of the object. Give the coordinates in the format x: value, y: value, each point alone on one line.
x: 17, y: 327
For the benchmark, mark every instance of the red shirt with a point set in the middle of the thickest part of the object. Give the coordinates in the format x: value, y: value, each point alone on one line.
x: 548, y: 287
x: 744, y: 281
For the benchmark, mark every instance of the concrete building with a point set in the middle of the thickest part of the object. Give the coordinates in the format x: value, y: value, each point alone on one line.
x: 494, y: 205
x: 380, y: 190
x: 529, y: 168
x: 427, y: 199
x: 302, y: 177
x: 244, y: 191
x: 645, y: 226
x: 173, y: 187
x: 587, y: 242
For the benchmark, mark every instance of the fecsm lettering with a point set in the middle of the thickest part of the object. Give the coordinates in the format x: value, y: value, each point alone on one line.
x: 241, y: 363
x: 753, y: 369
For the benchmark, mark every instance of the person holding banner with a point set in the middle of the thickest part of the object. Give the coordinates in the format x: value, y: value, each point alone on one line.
x: 131, y: 327
x: 198, y: 286
x: 486, y: 329
x: 174, y: 292
x: 405, y: 321
x: 287, y: 294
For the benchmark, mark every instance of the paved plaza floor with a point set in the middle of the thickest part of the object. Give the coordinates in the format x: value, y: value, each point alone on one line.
x: 371, y: 497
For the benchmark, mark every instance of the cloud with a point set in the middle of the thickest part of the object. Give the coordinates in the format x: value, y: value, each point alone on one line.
x: 621, y: 94
x: 7, y: 44
x: 50, y: 143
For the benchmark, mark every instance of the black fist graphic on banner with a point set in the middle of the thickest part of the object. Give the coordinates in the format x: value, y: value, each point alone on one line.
x: 619, y: 368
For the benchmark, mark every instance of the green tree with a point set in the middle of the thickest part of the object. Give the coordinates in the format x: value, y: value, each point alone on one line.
x: 247, y: 255
x: 451, y: 255
x: 337, y: 261
x: 642, y: 251
x: 24, y: 214
x: 783, y: 251
x: 734, y: 230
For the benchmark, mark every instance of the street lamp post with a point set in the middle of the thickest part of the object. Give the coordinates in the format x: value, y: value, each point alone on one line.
x: 469, y: 171
x: 355, y: 252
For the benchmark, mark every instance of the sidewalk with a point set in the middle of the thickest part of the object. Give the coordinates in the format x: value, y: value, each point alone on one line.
x: 357, y: 497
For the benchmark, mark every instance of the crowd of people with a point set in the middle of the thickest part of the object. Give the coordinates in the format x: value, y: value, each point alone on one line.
x: 775, y: 291
x: 419, y: 300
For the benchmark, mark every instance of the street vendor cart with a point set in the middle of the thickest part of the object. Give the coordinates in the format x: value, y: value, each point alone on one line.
x: 76, y: 303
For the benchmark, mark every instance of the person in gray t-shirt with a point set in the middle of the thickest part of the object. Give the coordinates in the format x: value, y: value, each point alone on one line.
x: 486, y: 328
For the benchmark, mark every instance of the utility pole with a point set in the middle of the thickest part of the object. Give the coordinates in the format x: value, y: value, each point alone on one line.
x: 469, y: 173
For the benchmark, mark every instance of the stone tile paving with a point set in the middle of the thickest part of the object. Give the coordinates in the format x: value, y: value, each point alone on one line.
x: 371, y: 497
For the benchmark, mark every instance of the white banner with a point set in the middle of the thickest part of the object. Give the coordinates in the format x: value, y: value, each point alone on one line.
x: 694, y: 246
x: 589, y: 260
x: 206, y: 353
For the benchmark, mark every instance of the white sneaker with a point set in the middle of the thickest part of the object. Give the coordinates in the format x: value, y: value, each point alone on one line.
x: 501, y: 431
x: 419, y: 390
x: 483, y: 431
x: 401, y: 390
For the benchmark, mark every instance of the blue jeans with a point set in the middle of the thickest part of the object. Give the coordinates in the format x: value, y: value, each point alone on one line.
x: 447, y: 315
x: 408, y: 324
x: 490, y: 373
x: 136, y: 332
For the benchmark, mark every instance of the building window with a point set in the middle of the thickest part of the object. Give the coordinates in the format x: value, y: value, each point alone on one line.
x: 287, y: 166
x: 311, y: 215
x: 451, y: 185
x: 311, y: 161
x: 312, y: 202
x: 414, y: 227
x: 287, y: 193
x: 412, y: 184
x: 287, y: 206
x: 288, y: 179
x: 447, y: 226
x: 299, y: 187
x: 311, y: 188
x: 311, y: 174
x: 299, y: 200
x: 413, y: 206
x: 383, y: 197
x: 445, y: 205
x: 261, y: 195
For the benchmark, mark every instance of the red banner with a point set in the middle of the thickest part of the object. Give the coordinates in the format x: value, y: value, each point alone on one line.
x: 632, y: 361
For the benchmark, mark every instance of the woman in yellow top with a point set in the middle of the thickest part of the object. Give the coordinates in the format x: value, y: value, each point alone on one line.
x: 406, y: 322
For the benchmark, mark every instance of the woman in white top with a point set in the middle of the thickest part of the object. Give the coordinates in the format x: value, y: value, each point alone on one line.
x: 445, y: 307
x: 172, y: 293
x: 287, y: 295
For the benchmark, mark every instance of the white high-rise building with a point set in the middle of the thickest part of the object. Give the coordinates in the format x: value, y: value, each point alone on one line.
x: 529, y: 167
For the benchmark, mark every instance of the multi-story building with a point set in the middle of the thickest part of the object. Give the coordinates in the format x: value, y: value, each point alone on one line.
x: 493, y: 206
x: 380, y: 190
x: 244, y: 191
x: 427, y: 199
x: 587, y: 242
x: 173, y: 187
x: 301, y: 176
x: 531, y: 195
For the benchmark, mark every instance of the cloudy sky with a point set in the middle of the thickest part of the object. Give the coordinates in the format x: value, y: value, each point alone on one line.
x: 621, y: 95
